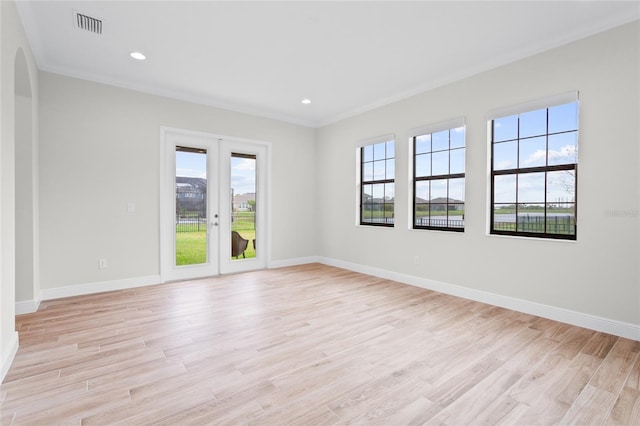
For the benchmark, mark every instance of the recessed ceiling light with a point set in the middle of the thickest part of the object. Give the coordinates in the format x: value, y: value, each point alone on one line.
x: 306, y: 101
x: 137, y: 55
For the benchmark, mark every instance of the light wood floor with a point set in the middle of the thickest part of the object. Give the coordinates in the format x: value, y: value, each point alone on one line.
x: 310, y: 345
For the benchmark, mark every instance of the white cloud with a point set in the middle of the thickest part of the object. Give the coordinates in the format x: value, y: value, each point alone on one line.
x: 243, y: 175
x: 566, y: 154
x: 506, y: 164
x: 540, y: 154
x: 191, y: 173
x: 244, y: 164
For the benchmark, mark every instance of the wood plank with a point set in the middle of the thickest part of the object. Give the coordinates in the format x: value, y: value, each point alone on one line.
x: 626, y: 410
x: 310, y: 344
x: 593, y: 406
x: 616, y: 367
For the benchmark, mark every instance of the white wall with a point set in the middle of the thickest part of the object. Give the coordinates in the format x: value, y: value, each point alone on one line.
x: 100, y: 149
x: 596, y: 276
x: 12, y: 88
x: 26, y: 201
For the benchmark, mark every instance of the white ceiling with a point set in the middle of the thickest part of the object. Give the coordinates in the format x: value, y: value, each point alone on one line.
x: 264, y: 57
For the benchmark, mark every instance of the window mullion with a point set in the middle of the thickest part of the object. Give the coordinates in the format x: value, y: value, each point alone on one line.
x: 560, y: 148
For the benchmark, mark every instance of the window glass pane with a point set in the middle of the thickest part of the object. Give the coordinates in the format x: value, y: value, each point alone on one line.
x: 422, y: 191
x: 390, y: 149
x: 438, y: 190
x: 243, y: 206
x: 531, y: 187
x: 457, y: 161
x: 422, y: 204
x: 561, y: 218
x: 378, y: 151
x: 438, y: 206
x: 389, y: 192
x: 378, y: 169
x: 561, y: 186
x: 375, y: 212
x: 440, y: 163
x: 377, y: 196
x: 544, y: 140
x: 440, y: 140
x: 433, y: 204
x: 423, y: 144
x: 377, y: 192
x: 367, y: 193
x: 563, y: 148
x: 533, y: 123
x: 530, y: 218
x: 563, y: 118
x: 533, y: 152
x: 505, y: 155
x: 367, y: 173
x: 366, y: 213
x: 455, y: 215
x: 505, y: 128
x: 457, y: 137
x: 421, y: 214
x: 504, y: 217
x: 505, y: 189
x: 191, y: 207
x: 390, y: 169
x: 438, y: 215
x: 456, y: 190
x: 423, y: 165
x: 368, y: 153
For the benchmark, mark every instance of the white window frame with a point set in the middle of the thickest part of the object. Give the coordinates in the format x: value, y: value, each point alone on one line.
x: 453, y: 123
x: 533, y: 105
x: 358, y: 147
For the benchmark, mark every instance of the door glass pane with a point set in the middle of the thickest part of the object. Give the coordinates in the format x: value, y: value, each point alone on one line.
x: 191, y: 206
x: 243, y: 206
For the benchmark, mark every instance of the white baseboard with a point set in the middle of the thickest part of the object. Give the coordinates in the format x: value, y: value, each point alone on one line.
x: 8, y: 355
x: 27, y: 306
x: 293, y: 262
x: 605, y: 325
x: 99, y: 287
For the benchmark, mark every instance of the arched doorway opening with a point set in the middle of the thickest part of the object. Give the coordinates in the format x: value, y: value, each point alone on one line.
x: 25, y: 190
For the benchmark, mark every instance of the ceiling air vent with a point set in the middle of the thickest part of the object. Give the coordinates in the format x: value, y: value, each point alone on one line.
x: 86, y: 22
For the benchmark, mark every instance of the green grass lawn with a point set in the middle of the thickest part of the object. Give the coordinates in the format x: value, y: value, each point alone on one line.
x: 191, y: 247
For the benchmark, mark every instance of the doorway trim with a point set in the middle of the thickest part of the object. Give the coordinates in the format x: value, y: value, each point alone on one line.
x: 229, y: 146
x: 167, y: 200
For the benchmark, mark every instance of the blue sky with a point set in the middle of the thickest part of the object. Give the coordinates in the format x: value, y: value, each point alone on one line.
x: 243, y: 175
x: 532, y: 152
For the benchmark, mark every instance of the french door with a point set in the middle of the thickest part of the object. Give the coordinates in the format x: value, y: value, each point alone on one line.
x: 214, y: 205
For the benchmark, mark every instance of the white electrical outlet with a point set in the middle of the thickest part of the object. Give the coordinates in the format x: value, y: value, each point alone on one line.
x: 131, y: 207
x: 416, y: 260
x: 102, y: 263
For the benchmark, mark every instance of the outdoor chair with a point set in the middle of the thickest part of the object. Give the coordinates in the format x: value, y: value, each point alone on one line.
x: 238, y: 244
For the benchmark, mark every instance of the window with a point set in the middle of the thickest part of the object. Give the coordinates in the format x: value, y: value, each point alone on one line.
x: 534, y: 156
x: 377, y: 195
x: 438, y: 177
